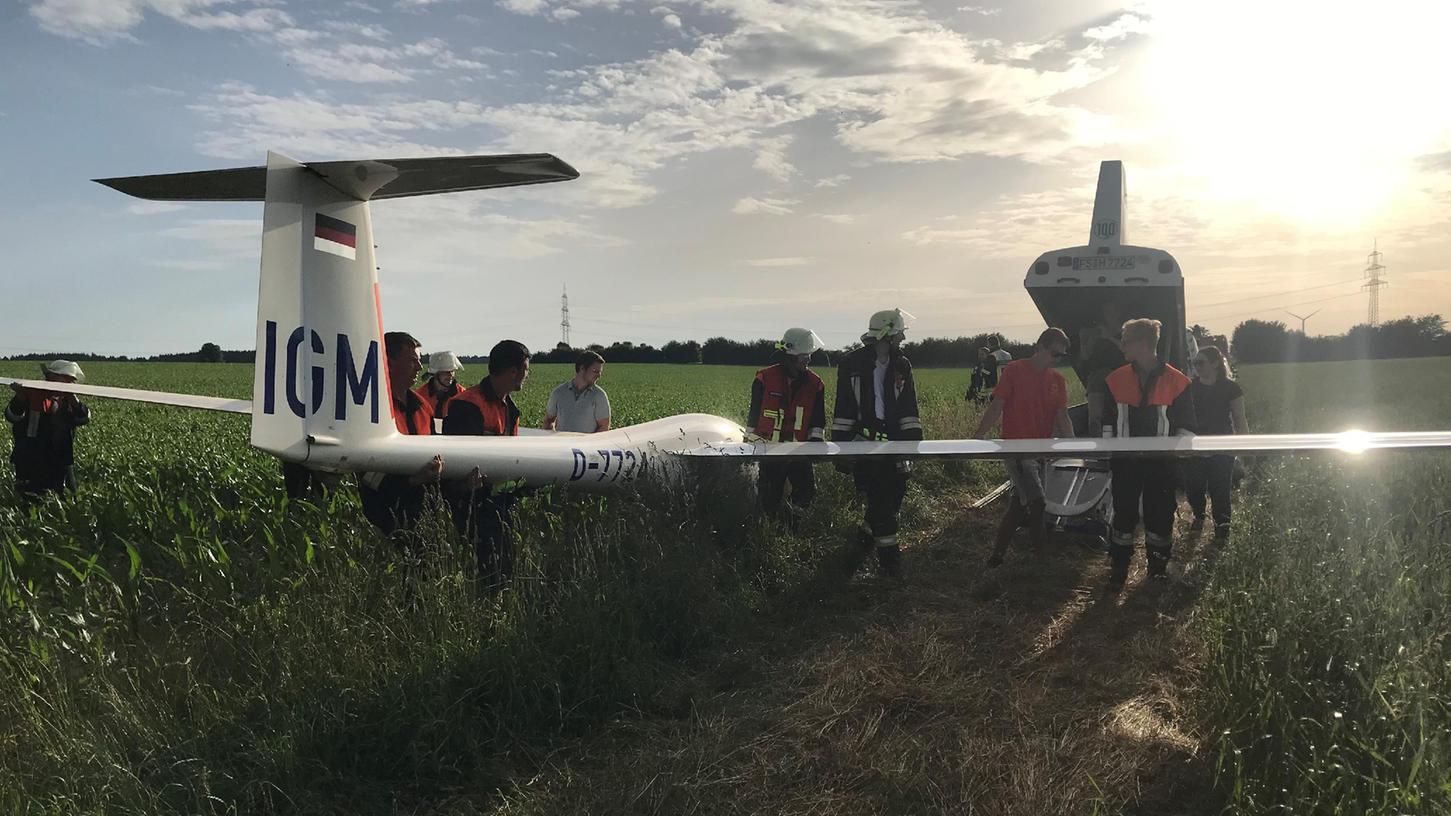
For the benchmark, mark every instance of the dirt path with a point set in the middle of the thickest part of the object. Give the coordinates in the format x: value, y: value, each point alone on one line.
x: 1024, y: 690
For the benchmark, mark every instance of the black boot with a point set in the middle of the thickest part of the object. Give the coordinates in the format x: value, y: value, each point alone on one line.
x: 1158, y: 550
x: 1119, y: 556
x: 889, y: 560
x: 1012, y: 519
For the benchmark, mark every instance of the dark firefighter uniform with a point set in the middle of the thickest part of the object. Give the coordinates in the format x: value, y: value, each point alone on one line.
x: 44, y: 429
x: 1145, y: 403
x: 864, y: 410
x: 482, y: 515
x: 391, y: 501
x: 787, y: 409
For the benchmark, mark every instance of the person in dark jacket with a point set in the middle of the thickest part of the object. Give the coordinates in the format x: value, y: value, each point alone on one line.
x: 43, y: 425
x: 876, y: 398
x: 1147, y: 397
x: 482, y: 510
x: 1219, y: 409
x: 984, y: 377
x: 393, y: 502
x: 788, y: 404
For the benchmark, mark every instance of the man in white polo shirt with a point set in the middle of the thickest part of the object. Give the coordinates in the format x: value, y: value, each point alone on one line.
x: 580, y: 405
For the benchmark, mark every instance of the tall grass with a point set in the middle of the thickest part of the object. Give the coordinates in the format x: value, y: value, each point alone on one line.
x: 180, y: 638
x: 1327, y: 685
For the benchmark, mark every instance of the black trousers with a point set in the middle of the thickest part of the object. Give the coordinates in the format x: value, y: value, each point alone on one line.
x: 772, y: 483
x: 1214, y: 474
x: 885, y: 489
x: 484, y: 521
x: 1151, y: 482
x: 34, y: 482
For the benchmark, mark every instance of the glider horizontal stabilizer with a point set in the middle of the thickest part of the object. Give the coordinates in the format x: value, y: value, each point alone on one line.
x: 231, y: 406
x: 1086, y: 448
x: 363, y: 180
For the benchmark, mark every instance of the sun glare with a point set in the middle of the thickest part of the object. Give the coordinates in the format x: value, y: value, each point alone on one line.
x: 1312, y: 110
x: 1354, y: 441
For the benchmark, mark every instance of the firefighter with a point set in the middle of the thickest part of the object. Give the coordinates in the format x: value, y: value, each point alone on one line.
x: 394, y: 502
x: 43, y: 425
x: 788, y: 404
x: 442, y: 383
x: 482, y: 509
x: 876, y: 399
x: 1147, y: 397
x: 1032, y: 400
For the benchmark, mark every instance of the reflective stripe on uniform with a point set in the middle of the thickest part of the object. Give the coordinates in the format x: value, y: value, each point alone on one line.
x: 886, y: 541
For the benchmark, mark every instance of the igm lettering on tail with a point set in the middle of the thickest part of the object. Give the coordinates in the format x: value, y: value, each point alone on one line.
x: 357, y: 385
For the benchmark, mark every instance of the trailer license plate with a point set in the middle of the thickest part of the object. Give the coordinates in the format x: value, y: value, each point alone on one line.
x: 1103, y: 262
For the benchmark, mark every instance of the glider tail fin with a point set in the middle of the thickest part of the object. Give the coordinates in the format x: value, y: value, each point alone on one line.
x: 321, y: 377
x: 1109, y: 205
x: 321, y: 381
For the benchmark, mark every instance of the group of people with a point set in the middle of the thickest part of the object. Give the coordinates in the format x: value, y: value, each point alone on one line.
x: 1131, y: 392
x: 480, y: 507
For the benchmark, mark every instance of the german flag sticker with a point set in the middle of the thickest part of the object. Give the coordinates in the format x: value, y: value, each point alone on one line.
x: 336, y: 237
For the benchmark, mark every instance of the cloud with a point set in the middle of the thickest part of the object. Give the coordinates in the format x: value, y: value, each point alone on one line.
x: 983, y: 10
x: 101, y: 22
x: 153, y: 207
x: 369, y: 31
x: 668, y: 18
x: 563, y: 14
x: 897, y: 86
x: 771, y: 158
x: 835, y: 218
x: 832, y: 181
x: 527, y: 7
x: 764, y: 206
x: 780, y: 262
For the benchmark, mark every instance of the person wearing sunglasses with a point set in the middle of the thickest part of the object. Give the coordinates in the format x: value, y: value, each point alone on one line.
x: 1219, y: 408
x: 1031, y: 399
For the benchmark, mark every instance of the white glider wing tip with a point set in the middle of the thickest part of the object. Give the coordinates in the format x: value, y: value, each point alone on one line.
x: 1353, y: 442
x: 231, y: 406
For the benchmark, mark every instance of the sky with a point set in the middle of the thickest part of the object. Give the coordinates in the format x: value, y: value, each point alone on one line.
x: 745, y: 165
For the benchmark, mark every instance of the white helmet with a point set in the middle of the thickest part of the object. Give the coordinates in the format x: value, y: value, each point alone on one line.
x: 64, y: 368
x: 886, y: 323
x: 443, y: 361
x: 800, y: 341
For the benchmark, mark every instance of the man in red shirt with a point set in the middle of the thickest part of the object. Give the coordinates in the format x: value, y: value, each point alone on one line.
x: 1031, y: 399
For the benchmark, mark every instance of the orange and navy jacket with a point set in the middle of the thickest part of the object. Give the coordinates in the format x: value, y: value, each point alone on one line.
x: 414, y: 415
x: 479, y: 411
x: 787, y: 410
x: 1154, y: 404
x: 44, y: 429
x: 855, y: 411
x: 437, y: 401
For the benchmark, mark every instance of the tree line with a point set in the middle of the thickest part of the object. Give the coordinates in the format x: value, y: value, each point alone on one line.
x: 1261, y: 341
x: 1253, y: 341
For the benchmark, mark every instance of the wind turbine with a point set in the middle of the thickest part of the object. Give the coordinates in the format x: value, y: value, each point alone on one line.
x: 1302, y: 318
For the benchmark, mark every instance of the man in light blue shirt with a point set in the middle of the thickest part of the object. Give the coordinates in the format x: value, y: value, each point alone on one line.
x: 580, y: 405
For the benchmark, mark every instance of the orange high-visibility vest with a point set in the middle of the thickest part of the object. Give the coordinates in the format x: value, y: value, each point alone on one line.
x: 1165, y: 387
x: 786, y: 413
